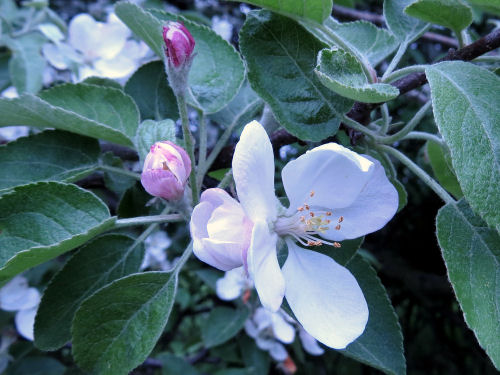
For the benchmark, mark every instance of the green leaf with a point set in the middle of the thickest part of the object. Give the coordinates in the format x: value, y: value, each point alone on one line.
x: 150, y: 90
x: 374, y: 43
x: 50, y: 155
x: 217, y: 71
x: 4, y: 70
x: 101, y: 81
x: 173, y: 365
x: 281, y: 70
x: 342, y: 73
x: 465, y: 101
x: 116, y: 182
x: 222, y: 324
x: 402, y: 194
x: 38, y: 222
x: 255, y: 359
x: 491, y: 6
x: 471, y: 251
x: 316, y: 10
x: 149, y: 132
x: 453, y: 14
x: 115, y: 329
x: 381, y: 344
x: 94, y: 111
x: 36, y: 366
x: 405, y: 28
x: 27, y: 65
x: 245, y: 106
x: 442, y: 169
x: 95, y: 265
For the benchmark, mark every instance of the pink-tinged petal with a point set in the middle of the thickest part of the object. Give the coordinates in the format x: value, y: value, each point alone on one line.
x: 375, y: 205
x: 161, y: 183
x: 325, y: 297
x: 225, y: 255
x: 198, y: 227
x: 25, y: 320
x: 329, y: 176
x: 253, y: 171
x: 179, y: 43
x: 264, y: 268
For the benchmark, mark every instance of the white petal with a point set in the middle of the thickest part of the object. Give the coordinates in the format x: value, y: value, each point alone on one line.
x: 282, y: 330
x: 84, y: 35
x: 231, y: 285
x: 375, y: 205
x: 10, y: 93
x: 309, y: 343
x: 25, y: 320
x: 324, y: 296
x: 278, y: 352
x: 335, y: 174
x: 16, y: 295
x: 51, y: 31
x: 251, y: 328
x: 54, y: 56
x: 225, y: 255
x: 253, y: 171
x: 264, y: 268
x: 263, y: 318
x: 117, y: 67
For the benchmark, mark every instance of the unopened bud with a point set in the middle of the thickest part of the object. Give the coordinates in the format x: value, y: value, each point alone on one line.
x: 166, y: 170
x: 179, y: 43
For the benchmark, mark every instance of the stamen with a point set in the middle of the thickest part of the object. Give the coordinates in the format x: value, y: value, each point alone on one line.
x: 336, y: 244
x: 311, y: 213
x: 341, y: 219
x: 337, y: 227
x: 306, y: 206
x: 312, y: 193
x: 328, y: 213
x: 164, y: 166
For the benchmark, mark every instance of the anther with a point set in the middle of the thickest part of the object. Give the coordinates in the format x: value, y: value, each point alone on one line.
x: 327, y: 221
x: 337, y: 227
x: 311, y: 243
x: 336, y: 244
x: 341, y: 219
x: 303, y: 219
x: 328, y: 213
x: 311, y: 213
x: 306, y: 206
x: 312, y: 193
x: 164, y: 165
x: 301, y: 208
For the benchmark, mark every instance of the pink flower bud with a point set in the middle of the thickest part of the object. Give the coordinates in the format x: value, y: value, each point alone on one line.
x: 166, y: 170
x: 179, y: 43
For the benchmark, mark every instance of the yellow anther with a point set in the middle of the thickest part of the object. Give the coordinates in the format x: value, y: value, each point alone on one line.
x: 301, y: 208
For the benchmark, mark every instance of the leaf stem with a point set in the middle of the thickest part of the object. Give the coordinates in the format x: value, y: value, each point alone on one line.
x: 121, y: 171
x: 202, y: 150
x: 184, y: 258
x: 424, y: 136
x: 353, y: 124
x: 189, y: 143
x: 397, y: 74
x: 384, y: 110
x: 395, y: 60
x: 437, y: 188
x: 410, y: 125
x: 142, y: 220
x: 226, y: 180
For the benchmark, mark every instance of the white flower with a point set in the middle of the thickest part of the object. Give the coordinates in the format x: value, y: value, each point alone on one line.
x: 222, y: 27
x: 334, y: 194
x: 16, y: 295
x: 233, y: 284
x: 95, y: 48
x: 155, y: 255
x: 270, y: 330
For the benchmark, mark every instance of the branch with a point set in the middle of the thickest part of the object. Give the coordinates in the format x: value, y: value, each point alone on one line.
x: 361, y: 111
x: 353, y: 14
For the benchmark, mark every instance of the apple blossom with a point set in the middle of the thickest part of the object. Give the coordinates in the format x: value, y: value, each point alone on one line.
x: 334, y: 193
x: 234, y: 284
x: 179, y: 43
x: 166, y: 170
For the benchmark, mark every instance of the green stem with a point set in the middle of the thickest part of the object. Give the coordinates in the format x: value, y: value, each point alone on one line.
x: 394, y: 76
x: 384, y: 109
x: 424, y: 136
x: 395, y: 61
x: 121, y: 171
x: 142, y: 220
x: 410, y: 125
x: 443, y: 194
x: 147, y: 231
x: 202, y: 151
x: 184, y: 258
x: 189, y: 143
x: 460, y: 39
x: 487, y: 59
x: 353, y: 124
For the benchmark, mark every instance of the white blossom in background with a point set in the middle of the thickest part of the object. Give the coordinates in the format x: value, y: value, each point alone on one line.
x: 234, y: 283
x: 16, y: 295
x: 222, y: 27
x: 10, y: 133
x: 334, y: 194
x: 155, y: 255
x: 92, y: 48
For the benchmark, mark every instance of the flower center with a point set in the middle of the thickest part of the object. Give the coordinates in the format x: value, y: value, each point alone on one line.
x: 307, y: 224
